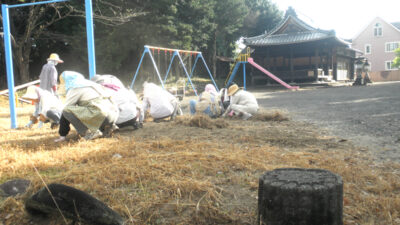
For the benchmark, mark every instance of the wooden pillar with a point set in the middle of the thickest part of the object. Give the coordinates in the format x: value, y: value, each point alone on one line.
x: 351, y: 65
x: 334, y: 63
x: 267, y: 65
x: 291, y: 65
x: 316, y: 63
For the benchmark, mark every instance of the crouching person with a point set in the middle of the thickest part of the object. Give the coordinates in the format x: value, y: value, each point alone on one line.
x: 47, y: 107
x: 128, y: 105
x: 159, y: 102
x: 242, y: 103
x: 209, y: 103
x: 88, y: 107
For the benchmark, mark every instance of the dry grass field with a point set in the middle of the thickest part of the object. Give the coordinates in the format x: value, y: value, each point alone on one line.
x: 191, y: 171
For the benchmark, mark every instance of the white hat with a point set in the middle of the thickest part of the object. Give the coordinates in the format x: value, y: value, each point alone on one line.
x: 55, y: 57
x: 233, y: 89
x: 31, y: 93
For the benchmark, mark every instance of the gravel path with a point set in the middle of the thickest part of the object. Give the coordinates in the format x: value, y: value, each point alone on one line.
x: 369, y: 116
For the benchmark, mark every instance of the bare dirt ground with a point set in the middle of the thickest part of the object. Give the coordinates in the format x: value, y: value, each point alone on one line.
x: 366, y: 115
x: 192, y: 170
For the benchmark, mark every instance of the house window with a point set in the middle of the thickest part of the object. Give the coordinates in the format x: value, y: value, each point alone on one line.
x: 378, y: 30
x: 391, y: 46
x: 389, y: 65
x: 367, y: 49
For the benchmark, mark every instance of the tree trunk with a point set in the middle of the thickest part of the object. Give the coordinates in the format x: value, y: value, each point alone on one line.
x: 214, y: 56
x: 22, y: 62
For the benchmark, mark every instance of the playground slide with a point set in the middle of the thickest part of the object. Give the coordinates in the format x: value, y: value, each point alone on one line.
x: 251, y: 61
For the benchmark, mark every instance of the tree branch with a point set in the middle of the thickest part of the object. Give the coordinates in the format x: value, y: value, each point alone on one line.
x: 109, y: 20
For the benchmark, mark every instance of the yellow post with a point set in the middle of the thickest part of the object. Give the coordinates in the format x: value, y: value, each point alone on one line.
x: 16, y: 99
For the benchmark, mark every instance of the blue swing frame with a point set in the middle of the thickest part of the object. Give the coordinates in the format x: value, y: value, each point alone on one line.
x: 176, y: 53
x: 8, y: 48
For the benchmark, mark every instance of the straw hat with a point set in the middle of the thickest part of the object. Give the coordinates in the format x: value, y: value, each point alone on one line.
x: 31, y: 93
x: 233, y: 89
x: 55, y: 57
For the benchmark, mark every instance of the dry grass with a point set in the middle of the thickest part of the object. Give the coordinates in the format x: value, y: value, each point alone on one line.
x: 264, y: 115
x: 202, y: 121
x: 179, y: 173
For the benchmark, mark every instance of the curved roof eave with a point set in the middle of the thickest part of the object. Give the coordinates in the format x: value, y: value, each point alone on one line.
x: 304, y: 41
x: 301, y: 23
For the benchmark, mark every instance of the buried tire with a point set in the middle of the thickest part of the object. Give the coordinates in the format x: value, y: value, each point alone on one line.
x: 290, y: 196
x: 73, y: 203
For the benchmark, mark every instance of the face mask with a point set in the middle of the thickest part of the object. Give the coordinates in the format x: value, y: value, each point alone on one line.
x: 53, y: 62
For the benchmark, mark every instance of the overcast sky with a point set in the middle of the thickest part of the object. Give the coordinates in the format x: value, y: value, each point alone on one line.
x: 346, y: 17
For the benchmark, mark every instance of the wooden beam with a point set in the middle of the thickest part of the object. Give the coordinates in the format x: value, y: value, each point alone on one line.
x: 21, y: 99
x: 3, y: 92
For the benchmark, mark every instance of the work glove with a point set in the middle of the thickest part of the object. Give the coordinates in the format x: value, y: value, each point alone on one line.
x: 29, y: 124
x: 42, y: 118
x: 34, y: 119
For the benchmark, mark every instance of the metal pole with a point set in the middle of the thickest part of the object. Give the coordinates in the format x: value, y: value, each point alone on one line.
x: 244, y: 75
x: 9, y: 64
x: 140, y: 64
x: 35, y: 3
x: 208, y: 70
x: 170, y: 64
x: 156, y: 68
x: 187, y: 74
x: 194, y: 66
x: 233, y: 74
x: 90, y: 38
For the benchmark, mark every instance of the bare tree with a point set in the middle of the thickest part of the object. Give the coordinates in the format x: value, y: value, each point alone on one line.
x: 30, y: 23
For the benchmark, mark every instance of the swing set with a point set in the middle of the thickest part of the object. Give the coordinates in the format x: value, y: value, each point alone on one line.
x: 173, y: 53
x: 8, y: 48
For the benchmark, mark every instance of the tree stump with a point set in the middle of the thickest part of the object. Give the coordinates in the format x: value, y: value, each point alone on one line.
x: 295, y: 196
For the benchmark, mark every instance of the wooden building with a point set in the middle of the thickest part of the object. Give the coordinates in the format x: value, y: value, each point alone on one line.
x: 296, y: 52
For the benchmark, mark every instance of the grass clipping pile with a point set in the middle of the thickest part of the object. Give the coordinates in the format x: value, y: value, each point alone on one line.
x: 176, y: 173
x: 202, y: 121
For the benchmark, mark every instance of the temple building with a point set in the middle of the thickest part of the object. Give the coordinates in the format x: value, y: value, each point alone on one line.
x: 297, y: 52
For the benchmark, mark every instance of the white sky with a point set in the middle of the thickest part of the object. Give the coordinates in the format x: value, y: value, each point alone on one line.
x: 346, y: 17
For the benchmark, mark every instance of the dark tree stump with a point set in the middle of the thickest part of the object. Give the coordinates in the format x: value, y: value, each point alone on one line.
x: 74, y: 204
x: 294, y: 196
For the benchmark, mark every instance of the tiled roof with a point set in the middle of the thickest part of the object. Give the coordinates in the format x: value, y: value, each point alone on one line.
x: 298, y: 21
x: 291, y: 38
x: 276, y: 37
x: 397, y: 25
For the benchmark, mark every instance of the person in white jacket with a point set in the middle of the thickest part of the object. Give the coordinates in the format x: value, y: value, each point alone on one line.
x: 47, y: 106
x: 160, y: 103
x: 128, y: 105
x: 88, y: 107
x: 242, y: 103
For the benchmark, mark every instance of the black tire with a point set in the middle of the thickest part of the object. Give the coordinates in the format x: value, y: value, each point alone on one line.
x: 294, y: 196
x: 74, y: 204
